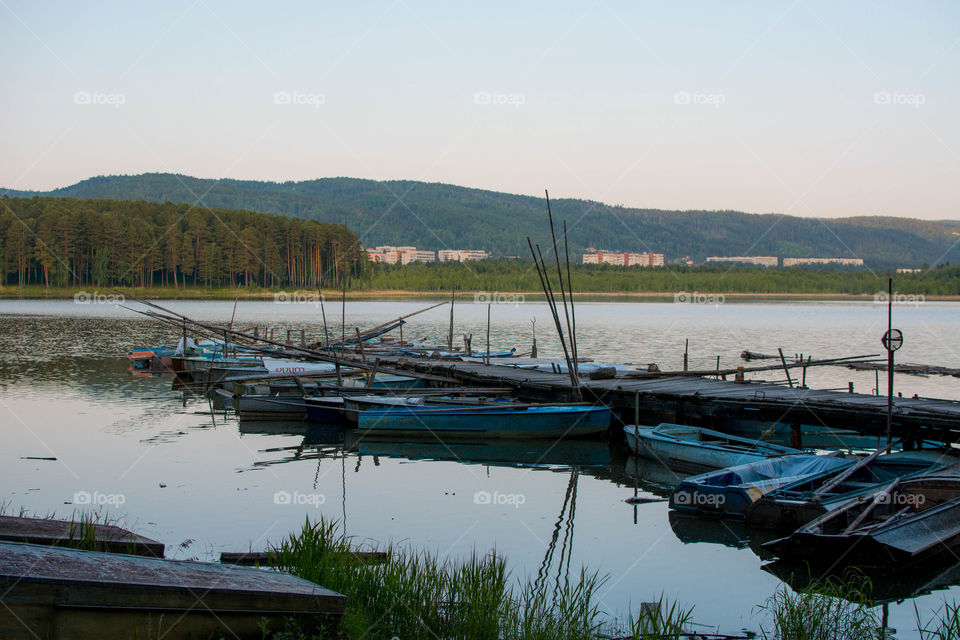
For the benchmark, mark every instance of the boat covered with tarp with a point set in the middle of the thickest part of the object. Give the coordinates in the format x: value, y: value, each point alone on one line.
x: 730, y: 492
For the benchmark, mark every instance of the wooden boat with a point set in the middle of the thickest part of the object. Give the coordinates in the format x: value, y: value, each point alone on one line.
x: 324, y: 408
x: 907, y: 521
x: 731, y: 491
x: 510, y: 421
x: 794, y: 504
x: 701, y: 448
x: 354, y: 405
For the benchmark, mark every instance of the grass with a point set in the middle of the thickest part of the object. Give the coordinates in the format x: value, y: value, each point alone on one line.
x: 416, y: 594
x: 831, y: 609
x: 944, y: 623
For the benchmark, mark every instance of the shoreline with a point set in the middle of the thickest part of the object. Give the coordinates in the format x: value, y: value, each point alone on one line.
x: 59, y: 293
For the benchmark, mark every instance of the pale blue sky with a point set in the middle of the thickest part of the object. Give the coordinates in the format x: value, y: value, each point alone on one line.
x: 809, y: 108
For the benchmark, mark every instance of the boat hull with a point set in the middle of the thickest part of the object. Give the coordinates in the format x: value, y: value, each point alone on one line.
x: 732, y: 491
x: 530, y: 422
x: 658, y: 443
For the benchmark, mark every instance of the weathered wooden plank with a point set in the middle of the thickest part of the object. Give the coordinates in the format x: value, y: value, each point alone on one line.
x: 65, y: 533
x: 68, y: 593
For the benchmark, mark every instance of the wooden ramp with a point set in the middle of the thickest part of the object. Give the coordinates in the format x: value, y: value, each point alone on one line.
x: 713, y: 402
x: 66, y: 594
x: 63, y: 533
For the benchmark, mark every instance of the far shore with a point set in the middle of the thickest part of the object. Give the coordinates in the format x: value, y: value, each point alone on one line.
x: 93, y: 294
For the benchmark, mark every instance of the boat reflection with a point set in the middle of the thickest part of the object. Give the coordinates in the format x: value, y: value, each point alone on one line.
x: 729, y: 532
x: 893, y: 584
x: 519, y: 453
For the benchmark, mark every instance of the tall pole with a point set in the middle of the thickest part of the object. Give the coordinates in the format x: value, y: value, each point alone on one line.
x: 573, y: 312
x: 563, y: 295
x: 343, y: 315
x: 326, y: 337
x: 453, y: 294
x: 488, y: 333
x: 889, y: 361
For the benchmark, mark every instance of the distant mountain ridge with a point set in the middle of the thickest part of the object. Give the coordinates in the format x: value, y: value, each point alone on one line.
x: 438, y: 216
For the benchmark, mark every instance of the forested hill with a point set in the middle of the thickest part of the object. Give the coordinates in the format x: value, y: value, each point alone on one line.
x: 436, y: 216
x: 67, y: 242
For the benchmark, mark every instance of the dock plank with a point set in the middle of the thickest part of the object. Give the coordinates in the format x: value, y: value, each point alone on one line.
x: 64, y: 533
x: 69, y: 593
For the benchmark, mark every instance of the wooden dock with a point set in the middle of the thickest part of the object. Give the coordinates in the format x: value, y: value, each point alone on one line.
x: 63, y: 533
x: 52, y: 592
x: 711, y: 402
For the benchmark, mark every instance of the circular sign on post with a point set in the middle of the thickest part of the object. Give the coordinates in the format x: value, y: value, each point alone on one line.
x: 892, y: 340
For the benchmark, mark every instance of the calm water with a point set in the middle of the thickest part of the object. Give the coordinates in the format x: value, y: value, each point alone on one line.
x: 174, y: 474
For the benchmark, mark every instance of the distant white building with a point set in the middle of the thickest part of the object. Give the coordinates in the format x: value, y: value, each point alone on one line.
x: 417, y: 255
x: 908, y: 270
x: 852, y: 262
x: 624, y: 258
x: 399, y: 255
x: 763, y: 261
x: 461, y: 255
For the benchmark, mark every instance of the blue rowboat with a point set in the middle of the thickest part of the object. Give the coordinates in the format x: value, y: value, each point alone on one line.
x: 518, y: 421
x: 324, y: 408
x: 701, y: 448
x: 730, y: 492
x: 797, y: 503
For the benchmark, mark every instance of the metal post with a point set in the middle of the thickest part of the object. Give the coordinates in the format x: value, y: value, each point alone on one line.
x: 488, y: 333
x: 889, y: 361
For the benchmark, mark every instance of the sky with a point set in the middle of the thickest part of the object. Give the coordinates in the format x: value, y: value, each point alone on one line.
x: 808, y: 108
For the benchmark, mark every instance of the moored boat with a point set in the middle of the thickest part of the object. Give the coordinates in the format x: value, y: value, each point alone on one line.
x: 509, y: 421
x: 730, y: 492
x: 702, y: 448
x: 907, y: 521
x: 794, y: 504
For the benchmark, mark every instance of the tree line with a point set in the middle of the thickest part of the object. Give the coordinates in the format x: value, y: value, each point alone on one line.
x: 433, y: 216
x: 61, y: 242
x: 521, y: 275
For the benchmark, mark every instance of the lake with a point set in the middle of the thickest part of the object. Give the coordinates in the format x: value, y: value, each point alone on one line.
x: 204, y: 484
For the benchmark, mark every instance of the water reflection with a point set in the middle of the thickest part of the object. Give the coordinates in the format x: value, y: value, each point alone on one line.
x: 892, y: 585
x: 66, y: 375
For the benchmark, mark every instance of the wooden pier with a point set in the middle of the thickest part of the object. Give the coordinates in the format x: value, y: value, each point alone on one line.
x: 711, y: 402
x: 52, y: 592
x: 64, y: 533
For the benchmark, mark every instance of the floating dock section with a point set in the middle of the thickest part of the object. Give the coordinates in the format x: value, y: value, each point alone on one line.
x: 712, y: 402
